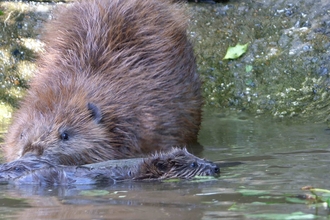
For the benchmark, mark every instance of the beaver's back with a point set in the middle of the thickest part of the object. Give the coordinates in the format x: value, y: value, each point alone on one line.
x: 133, y: 61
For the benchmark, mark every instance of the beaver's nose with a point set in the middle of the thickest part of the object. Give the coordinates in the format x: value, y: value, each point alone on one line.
x: 215, y: 168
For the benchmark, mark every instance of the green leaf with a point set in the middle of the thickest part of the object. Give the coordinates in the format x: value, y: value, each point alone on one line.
x: 251, y: 192
x: 270, y: 197
x: 1, y: 13
x: 94, y: 192
x: 328, y: 203
x: 273, y: 216
x: 295, y: 200
x: 204, y: 177
x: 235, y: 207
x: 236, y: 51
x: 248, y: 68
x: 320, y: 190
x: 200, y: 179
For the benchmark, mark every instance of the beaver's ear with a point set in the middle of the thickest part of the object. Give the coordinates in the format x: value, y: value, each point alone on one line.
x: 95, y: 111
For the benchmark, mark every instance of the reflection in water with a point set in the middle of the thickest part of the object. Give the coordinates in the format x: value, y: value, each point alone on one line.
x: 238, y: 136
x: 123, y: 201
x: 275, y: 159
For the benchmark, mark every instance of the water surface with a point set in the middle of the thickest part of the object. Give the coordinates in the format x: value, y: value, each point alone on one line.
x: 278, y: 158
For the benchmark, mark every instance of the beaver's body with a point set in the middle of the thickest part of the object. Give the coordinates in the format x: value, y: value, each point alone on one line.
x: 117, y: 80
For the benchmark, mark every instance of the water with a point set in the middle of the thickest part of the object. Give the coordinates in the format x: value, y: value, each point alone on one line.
x: 278, y: 158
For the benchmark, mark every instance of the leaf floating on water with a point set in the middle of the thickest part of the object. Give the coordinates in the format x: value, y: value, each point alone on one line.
x: 94, y: 193
x: 236, y: 51
x: 274, y: 216
x: 235, y: 207
x: 259, y: 203
x: 205, y: 177
x: 320, y: 190
x: 295, y: 200
x: 252, y: 192
x: 328, y: 202
x: 319, y: 195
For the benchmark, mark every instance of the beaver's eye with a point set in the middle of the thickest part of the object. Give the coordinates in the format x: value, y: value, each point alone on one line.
x: 18, y: 169
x: 64, y: 136
x: 193, y: 165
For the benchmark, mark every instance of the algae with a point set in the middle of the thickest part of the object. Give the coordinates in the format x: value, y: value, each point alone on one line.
x: 284, y: 73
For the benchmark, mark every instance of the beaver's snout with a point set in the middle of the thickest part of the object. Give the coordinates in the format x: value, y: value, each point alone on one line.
x: 213, y: 169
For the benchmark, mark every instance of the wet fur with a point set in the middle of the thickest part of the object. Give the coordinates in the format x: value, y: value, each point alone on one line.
x: 177, y: 163
x: 117, y: 80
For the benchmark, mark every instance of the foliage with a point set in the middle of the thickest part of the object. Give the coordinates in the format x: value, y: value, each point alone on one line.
x: 236, y: 51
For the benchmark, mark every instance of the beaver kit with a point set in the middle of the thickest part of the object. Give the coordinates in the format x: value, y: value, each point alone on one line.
x: 117, y: 80
x: 176, y: 163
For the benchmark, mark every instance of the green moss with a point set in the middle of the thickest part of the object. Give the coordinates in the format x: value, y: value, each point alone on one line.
x: 289, y: 70
x: 287, y: 56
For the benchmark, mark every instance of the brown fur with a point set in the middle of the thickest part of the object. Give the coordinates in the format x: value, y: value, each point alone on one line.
x: 117, y: 80
x: 176, y: 163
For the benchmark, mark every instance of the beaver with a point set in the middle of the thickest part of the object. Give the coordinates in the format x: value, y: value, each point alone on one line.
x: 117, y: 80
x: 176, y: 163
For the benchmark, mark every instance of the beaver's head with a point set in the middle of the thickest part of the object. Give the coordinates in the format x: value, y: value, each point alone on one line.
x: 62, y: 123
x: 177, y: 163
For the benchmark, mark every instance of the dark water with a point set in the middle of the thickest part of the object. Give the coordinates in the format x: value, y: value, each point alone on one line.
x: 278, y: 158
